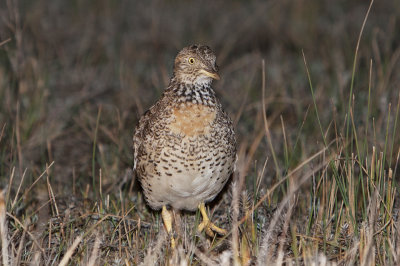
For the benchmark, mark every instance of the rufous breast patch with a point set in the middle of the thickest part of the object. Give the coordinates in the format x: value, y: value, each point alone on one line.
x: 192, y: 119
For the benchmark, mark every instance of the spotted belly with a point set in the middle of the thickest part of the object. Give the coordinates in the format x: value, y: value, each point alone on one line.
x: 184, y: 176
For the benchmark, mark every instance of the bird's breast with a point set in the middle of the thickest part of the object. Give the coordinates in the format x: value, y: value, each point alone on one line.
x: 192, y: 119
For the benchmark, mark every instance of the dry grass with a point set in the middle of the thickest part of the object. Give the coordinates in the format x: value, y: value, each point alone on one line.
x: 317, y: 121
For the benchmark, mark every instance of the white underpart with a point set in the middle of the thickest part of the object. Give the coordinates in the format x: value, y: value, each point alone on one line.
x: 187, y: 189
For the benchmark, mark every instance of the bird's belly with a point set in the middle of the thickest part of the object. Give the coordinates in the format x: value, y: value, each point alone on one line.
x: 190, y: 173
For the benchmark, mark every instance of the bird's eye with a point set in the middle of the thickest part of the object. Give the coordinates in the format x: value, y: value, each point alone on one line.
x: 191, y: 60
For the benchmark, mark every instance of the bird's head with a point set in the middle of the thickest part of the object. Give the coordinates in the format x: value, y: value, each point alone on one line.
x: 196, y: 65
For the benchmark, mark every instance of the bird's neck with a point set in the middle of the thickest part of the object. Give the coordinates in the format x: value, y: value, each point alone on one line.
x: 194, y: 93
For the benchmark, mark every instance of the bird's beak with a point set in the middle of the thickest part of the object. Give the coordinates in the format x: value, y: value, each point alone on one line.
x: 210, y: 73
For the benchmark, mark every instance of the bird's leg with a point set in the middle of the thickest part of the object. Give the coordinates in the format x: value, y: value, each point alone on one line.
x: 207, y: 224
x: 167, y: 219
x: 178, y: 221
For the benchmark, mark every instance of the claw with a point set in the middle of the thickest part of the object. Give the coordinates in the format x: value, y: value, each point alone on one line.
x: 207, y: 225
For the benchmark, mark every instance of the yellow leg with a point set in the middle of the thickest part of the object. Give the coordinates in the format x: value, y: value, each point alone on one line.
x: 207, y: 225
x: 167, y: 219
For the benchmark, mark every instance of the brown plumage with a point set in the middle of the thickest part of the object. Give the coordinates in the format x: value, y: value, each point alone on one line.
x: 184, y: 145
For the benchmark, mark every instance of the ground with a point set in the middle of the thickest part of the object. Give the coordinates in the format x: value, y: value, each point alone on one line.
x: 312, y: 87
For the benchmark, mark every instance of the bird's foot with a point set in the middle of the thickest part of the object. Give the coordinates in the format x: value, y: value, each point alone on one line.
x: 167, y: 219
x: 207, y: 225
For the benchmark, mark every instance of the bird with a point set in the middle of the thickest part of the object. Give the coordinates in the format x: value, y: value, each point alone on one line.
x: 185, y: 145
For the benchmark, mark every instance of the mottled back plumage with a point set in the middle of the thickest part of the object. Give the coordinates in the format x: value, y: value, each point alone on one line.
x: 184, y: 145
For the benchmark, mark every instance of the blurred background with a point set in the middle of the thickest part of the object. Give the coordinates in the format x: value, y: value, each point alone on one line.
x: 63, y: 61
x: 76, y: 75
